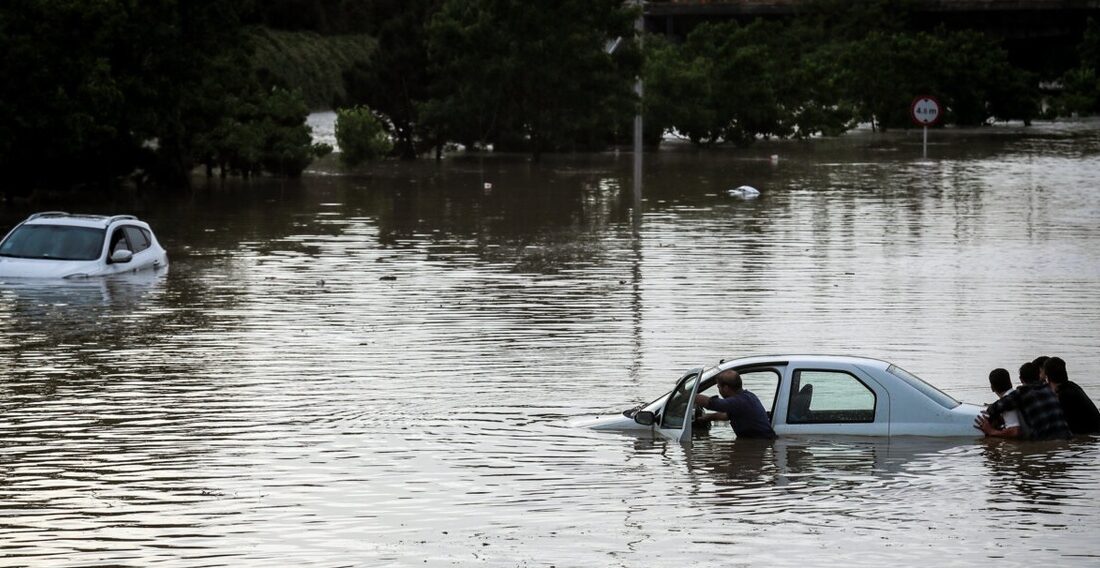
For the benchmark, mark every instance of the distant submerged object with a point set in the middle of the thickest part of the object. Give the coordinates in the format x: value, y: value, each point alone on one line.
x: 746, y: 191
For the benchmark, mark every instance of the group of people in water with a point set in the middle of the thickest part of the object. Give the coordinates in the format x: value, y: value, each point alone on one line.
x: 1045, y: 405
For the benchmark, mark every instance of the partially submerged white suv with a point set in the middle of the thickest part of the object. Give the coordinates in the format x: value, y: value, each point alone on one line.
x: 55, y: 244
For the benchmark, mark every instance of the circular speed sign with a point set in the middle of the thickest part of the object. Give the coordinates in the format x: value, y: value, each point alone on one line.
x: 925, y: 110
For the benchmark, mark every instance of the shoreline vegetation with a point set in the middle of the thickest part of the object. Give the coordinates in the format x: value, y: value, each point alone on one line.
x: 142, y: 96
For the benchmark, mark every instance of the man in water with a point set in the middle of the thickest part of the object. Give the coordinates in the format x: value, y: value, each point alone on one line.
x: 1001, y: 383
x: 1038, y: 362
x: 741, y: 407
x: 1039, y: 408
x: 1029, y: 374
x: 1080, y: 412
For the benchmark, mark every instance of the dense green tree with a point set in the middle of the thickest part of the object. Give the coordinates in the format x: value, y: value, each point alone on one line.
x: 967, y: 71
x: 97, y: 91
x: 105, y: 86
x: 361, y: 136
x: 733, y: 83
x: 261, y: 131
x: 321, y: 16
x: 529, y: 75
x: 822, y: 72
x: 309, y: 62
x: 1081, y: 86
x: 676, y: 94
x: 64, y: 117
x: 396, y: 81
x: 880, y: 75
x: 977, y: 82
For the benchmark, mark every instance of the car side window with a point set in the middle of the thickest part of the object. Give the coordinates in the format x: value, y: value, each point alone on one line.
x: 138, y: 239
x: 676, y: 408
x: 829, y: 396
x: 118, y: 242
x: 764, y: 383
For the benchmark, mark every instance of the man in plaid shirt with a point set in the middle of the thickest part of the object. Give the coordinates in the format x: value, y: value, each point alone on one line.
x: 1039, y: 408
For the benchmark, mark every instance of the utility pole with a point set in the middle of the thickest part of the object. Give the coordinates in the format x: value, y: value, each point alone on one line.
x: 639, y: 27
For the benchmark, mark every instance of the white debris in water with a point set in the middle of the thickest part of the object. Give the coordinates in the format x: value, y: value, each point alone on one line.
x: 746, y: 191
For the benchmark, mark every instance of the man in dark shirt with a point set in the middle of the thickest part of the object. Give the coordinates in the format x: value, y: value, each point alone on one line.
x: 1080, y: 412
x: 1039, y: 408
x: 1029, y: 373
x: 741, y: 407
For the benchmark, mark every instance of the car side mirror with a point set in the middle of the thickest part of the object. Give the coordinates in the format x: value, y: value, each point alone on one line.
x: 644, y: 417
x: 122, y: 256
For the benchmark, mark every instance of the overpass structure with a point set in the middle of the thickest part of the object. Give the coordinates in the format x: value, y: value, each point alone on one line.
x: 1039, y: 34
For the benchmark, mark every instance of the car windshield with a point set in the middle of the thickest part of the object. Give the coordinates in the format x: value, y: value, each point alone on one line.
x: 930, y: 391
x: 54, y: 242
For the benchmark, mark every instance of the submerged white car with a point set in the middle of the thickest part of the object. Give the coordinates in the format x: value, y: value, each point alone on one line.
x: 55, y: 244
x: 811, y: 395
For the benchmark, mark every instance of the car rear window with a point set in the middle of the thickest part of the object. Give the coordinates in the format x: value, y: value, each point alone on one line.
x: 930, y: 391
x: 54, y: 242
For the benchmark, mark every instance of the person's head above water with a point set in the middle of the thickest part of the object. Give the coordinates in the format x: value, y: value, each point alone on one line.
x: 1055, y: 370
x: 1000, y: 381
x: 728, y: 381
x: 1029, y: 374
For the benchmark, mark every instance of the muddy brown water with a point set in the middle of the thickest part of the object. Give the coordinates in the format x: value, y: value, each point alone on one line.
x: 378, y: 368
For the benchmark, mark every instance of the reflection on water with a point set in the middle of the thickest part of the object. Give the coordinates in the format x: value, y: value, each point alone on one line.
x: 377, y: 370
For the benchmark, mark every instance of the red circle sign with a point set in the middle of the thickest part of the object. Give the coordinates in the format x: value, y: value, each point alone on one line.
x: 925, y: 110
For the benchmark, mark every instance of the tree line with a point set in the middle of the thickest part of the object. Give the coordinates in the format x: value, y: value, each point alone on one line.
x: 98, y: 92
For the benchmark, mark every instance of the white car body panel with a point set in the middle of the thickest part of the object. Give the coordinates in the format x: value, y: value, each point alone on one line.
x: 901, y: 407
x: 151, y: 258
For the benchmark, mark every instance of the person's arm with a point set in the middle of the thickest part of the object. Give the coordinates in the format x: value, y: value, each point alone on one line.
x: 709, y: 403
x: 1003, y: 404
x: 982, y: 423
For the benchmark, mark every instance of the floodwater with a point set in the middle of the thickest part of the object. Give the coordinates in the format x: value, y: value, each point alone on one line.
x: 379, y: 368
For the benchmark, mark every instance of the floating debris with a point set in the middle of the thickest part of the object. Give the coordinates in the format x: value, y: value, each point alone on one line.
x: 745, y: 191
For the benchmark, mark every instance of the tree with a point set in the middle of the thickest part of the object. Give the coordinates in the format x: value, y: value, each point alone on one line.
x: 115, y: 88
x: 360, y: 135
x: 529, y: 75
x: 396, y: 81
x: 734, y: 83
x: 64, y: 117
x: 1081, y: 85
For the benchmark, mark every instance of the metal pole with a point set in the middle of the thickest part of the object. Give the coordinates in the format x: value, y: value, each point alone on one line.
x: 925, y: 153
x: 639, y: 27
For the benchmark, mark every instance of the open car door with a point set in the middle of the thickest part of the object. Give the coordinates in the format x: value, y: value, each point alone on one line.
x: 679, y: 408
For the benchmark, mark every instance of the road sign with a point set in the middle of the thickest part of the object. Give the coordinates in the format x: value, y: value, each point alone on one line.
x: 925, y: 110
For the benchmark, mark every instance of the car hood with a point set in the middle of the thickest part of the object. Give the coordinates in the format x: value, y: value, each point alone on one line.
x: 607, y: 422
x: 37, y: 268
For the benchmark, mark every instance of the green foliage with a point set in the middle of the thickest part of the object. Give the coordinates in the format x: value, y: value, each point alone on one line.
x: 265, y: 131
x: 321, y: 16
x: 308, y: 61
x: 99, y: 91
x: 396, y: 82
x: 360, y: 135
x: 1081, y: 92
x: 822, y: 72
x: 1081, y: 86
x: 733, y: 83
x: 529, y: 75
x: 72, y: 110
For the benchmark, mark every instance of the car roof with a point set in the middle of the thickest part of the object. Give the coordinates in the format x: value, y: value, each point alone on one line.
x: 78, y: 220
x: 803, y: 359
